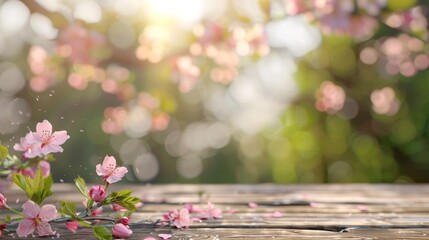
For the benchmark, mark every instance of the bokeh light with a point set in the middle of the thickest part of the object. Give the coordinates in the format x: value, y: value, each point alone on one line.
x: 222, y: 91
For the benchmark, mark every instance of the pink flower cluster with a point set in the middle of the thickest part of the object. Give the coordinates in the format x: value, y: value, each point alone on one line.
x: 340, y: 16
x: 330, y: 98
x: 182, y: 218
x: 42, y: 142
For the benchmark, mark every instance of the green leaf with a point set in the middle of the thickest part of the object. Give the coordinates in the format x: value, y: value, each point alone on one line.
x: 68, y: 208
x: 81, y: 186
x: 3, y: 153
x: 102, y: 233
x: 24, y: 182
x: 5, y: 172
x: 37, y: 188
x: 122, y: 198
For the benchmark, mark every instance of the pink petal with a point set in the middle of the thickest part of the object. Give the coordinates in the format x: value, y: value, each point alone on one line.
x: 30, y: 209
x: 253, y: 205
x: 33, y: 151
x: 149, y: 238
x: 48, y: 212
x: 164, y: 236
x: 315, y: 205
x: 120, y: 172
x: 46, y: 167
x: 184, y: 212
x: 20, y: 146
x: 362, y: 208
x: 100, y: 171
x: 72, y: 226
x: 44, y: 229
x: 275, y: 214
x: 44, y: 126
x: 32, y: 138
x: 25, y: 228
x: 50, y: 148
x: 109, y: 164
x: 117, y: 175
x: 60, y: 137
x: 232, y: 210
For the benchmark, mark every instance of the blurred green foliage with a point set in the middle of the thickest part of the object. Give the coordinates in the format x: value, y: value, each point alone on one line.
x: 353, y: 141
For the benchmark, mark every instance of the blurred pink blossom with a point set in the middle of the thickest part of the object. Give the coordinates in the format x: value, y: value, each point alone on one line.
x: 30, y: 150
x: 330, y: 98
x: 180, y: 218
x: 78, y: 44
x: 211, y: 212
x: 384, y: 101
x: 372, y: 7
x: 46, y: 167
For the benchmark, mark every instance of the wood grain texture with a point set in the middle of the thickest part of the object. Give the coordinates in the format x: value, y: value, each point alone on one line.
x: 355, y: 211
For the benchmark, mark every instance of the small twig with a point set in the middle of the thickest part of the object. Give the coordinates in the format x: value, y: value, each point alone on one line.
x: 85, y: 213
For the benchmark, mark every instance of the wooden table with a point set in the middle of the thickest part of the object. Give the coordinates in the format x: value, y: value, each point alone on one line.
x: 355, y: 211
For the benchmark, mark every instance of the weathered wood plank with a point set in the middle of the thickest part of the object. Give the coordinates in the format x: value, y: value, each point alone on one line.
x: 356, y: 211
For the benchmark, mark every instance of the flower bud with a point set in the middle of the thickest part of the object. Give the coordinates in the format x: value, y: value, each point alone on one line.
x: 46, y: 168
x: 72, y: 226
x: 97, y: 193
x: 121, y: 231
x: 3, y: 202
x: 124, y: 220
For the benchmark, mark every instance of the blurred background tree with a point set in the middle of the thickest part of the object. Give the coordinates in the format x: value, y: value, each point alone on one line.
x: 223, y: 91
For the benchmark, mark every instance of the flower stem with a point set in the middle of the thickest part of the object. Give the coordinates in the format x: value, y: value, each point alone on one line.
x: 13, y: 210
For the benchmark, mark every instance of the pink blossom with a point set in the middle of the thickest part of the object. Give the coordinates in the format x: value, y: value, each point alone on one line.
x: 3, y: 204
x: 192, y: 208
x: 384, y: 101
x: 372, y: 7
x: 362, y: 27
x: 210, y: 212
x: 110, y: 172
x: 164, y: 236
x: 121, y: 231
x: 49, y: 142
x: 78, y: 43
x: 180, y: 218
x: 46, y: 167
x: 149, y: 238
x: 72, y: 226
x: 97, y: 193
x: 294, y: 7
x: 253, y: 205
x: 36, y: 218
x: 30, y: 150
x: 330, y: 98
